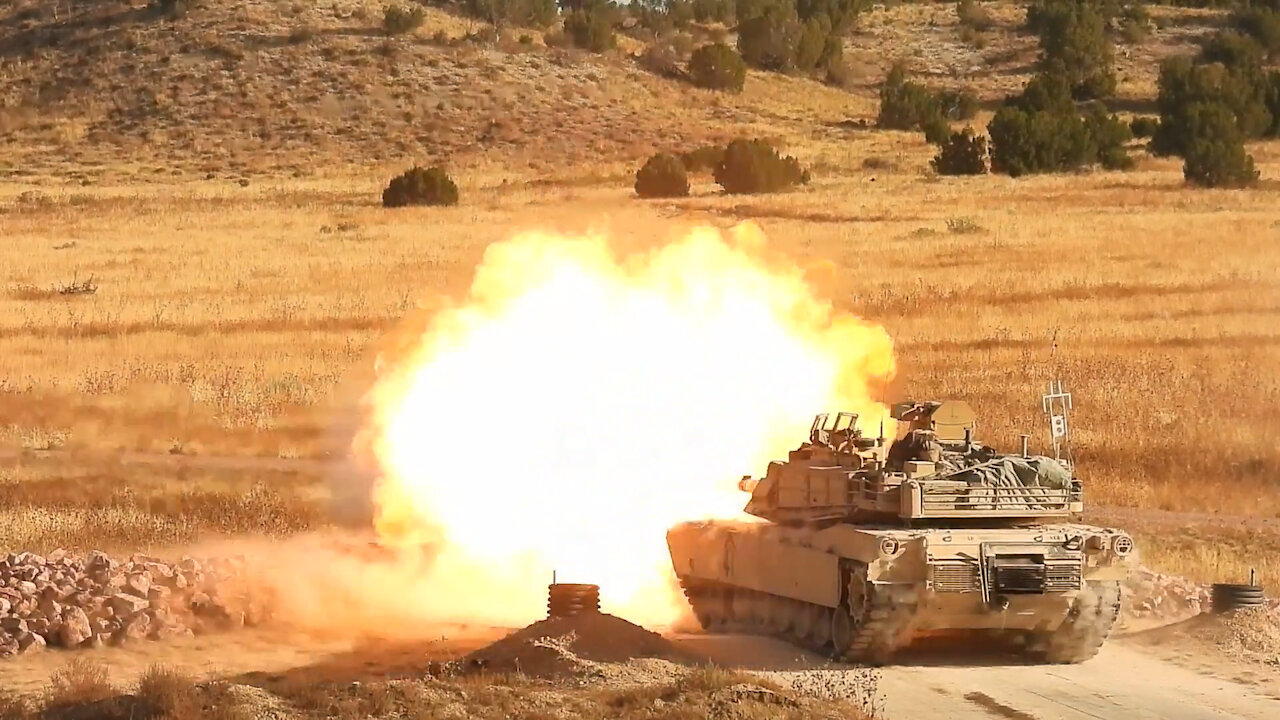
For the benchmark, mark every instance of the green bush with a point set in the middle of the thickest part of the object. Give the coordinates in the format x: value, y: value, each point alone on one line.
x: 717, y: 67
x: 703, y: 159
x: 662, y: 175
x: 1135, y: 23
x: 1215, y: 155
x: 1036, y: 142
x: 839, y: 14
x: 1074, y: 42
x: 1262, y: 24
x: 1271, y: 99
x: 397, y: 20
x: 905, y: 105
x: 1041, y: 131
x: 962, y: 153
x: 1232, y: 49
x: 1144, y: 126
x: 936, y: 129
x: 1184, y: 84
x: 1109, y: 135
x: 592, y: 27
x: 768, y: 41
x: 1045, y: 92
x: 753, y: 166
x: 958, y: 104
x: 418, y: 186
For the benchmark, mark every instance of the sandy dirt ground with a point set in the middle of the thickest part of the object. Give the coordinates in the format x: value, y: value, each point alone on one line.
x: 1126, y: 680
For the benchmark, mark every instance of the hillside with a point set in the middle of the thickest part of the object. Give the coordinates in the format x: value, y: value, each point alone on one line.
x: 94, y: 89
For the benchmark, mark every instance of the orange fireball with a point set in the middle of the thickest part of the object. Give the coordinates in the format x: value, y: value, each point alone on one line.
x: 578, y: 402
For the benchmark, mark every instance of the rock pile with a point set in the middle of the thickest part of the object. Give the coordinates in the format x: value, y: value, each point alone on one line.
x: 1150, y: 595
x: 82, y: 602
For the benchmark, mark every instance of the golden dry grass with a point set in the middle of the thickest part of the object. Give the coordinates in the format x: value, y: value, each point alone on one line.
x: 234, y: 320
x: 101, y: 505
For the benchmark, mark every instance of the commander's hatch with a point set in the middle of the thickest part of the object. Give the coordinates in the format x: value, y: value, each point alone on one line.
x: 824, y: 431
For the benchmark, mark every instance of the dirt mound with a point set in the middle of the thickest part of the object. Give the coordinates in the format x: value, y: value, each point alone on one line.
x: 1251, y: 633
x: 573, y: 646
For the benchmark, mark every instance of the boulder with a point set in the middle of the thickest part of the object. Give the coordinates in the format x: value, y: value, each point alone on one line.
x: 126, y: 606
x: 13, y: 625
x: 30, y: 642
x: 138, y: 583
x: 172, y: 632
x: 75, y: 627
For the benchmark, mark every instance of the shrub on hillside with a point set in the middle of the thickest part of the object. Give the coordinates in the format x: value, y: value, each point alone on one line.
x: 1144, y: 126
x: 958, y: 104
x: 908, y: 105
x: 1135, y: 23
x: 753, y: 166
x: 905, y: 105
x: 1215, y: 155
x: 962, y: 153
x: 768, y: 41
x: 840, y: 14
x: 1108, y: 135
x: 1036, y: 142
x: 1232, y: 49
x: 662, y: 175
x: 521, y: 13
x: 703, y: 159
x: 1262, y: 24
x: 709, y: 11
x: 661, y: 58
x: 592, y: 27
x: 717, y: 67
x: 972, y: 14
x: 1074, y: 42
x: 418, y: 186
x: 1184, y: 84
x: 1040, y: 131
x: 936, y: 129
x: 398, y: 20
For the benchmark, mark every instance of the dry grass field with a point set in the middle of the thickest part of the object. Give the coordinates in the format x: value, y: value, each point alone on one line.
x: 236, y: 318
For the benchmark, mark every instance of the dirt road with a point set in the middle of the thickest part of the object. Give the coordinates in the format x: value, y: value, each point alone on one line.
x: 1122, y: 683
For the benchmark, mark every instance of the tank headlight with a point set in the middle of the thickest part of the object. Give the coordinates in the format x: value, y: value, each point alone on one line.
x: 888, y: 546
x: 1122, y: 545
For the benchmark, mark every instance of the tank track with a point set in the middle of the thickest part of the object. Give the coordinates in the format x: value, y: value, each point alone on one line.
x: 871, y: 639
x: 878, y: 620
x: 1087, y: 626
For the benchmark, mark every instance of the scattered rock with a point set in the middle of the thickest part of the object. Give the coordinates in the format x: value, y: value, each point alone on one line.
x: 78, y: 601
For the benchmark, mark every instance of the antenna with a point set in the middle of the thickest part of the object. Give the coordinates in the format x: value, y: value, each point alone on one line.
x: 1057, y: 405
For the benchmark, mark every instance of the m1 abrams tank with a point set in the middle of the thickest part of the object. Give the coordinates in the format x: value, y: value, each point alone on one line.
x: 871, y: 545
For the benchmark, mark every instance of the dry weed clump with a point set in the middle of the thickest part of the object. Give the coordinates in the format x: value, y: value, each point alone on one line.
x: 81, y: 681
x: 168, y: 692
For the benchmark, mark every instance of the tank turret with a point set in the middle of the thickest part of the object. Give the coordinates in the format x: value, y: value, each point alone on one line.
x: 870, y: 542
x: 931, y: 472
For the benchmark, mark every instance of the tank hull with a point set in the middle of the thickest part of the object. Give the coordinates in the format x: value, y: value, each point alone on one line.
x: 861, y: 593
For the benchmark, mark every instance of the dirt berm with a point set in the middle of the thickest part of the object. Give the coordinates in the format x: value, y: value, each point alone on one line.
x: 571, y: 645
